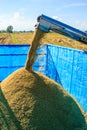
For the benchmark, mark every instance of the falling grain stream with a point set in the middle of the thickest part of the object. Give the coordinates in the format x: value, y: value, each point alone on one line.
x: 38, y: 34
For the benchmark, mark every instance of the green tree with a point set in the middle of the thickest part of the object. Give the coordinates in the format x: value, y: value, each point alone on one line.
x: 9, y: 29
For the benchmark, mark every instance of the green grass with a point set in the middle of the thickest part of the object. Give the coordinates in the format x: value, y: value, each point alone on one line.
x: 14, y: 39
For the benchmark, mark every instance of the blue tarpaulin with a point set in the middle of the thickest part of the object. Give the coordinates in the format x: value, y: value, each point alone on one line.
x: 66, y: 66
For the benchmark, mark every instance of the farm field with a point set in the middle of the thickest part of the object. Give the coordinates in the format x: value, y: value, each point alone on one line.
x: 53, y: 38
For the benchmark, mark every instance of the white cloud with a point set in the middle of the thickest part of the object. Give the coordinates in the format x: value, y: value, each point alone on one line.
x: 16, y: 15
x: 57, y: 18
x: 17, y: 20
x: 80, y: 25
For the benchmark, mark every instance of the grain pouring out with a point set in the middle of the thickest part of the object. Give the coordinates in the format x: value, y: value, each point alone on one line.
x: 38, y: 34
x: 31, y: 101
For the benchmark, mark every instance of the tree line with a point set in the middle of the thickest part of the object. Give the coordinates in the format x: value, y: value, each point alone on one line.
x: 9, y: 29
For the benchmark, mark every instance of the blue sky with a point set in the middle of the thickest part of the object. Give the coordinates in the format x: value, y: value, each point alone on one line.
x: 22, y: 14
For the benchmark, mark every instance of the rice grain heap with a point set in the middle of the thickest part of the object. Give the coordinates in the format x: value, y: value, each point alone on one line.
x: 32, y: 101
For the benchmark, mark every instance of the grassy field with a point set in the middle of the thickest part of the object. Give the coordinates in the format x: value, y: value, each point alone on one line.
x: 53, y: 38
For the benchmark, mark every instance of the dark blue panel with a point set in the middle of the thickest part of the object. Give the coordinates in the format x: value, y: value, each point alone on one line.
x: 13, y: 49
x: 12, y: 60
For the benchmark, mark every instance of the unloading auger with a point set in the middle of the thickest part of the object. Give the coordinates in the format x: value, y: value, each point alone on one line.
x: 47, y: 24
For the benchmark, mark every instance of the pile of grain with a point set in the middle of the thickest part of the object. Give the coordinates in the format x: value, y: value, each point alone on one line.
x: 38, y: 103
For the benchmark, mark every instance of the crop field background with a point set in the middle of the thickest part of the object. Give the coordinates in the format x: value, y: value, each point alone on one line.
x: 53, y: 38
